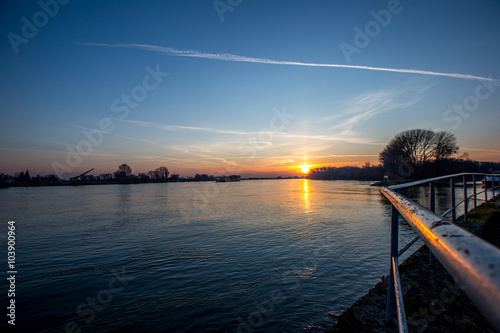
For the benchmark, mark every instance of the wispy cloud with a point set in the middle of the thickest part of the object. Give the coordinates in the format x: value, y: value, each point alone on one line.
x: 252, y: 133
x: 233, y: 57
x: 176, y: 127
x: 187, y: 151
x: 135, y: 139
x: 367, y: 106
x: 285, y: 162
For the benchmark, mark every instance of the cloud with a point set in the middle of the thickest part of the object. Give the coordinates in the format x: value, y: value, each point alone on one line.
x: 249, y: 134
x: 367, y: 106
x: 135, y: 139
x: 232, y: 57
x: 287, y: 161
x: 185, y: 150
x: 190, y: 128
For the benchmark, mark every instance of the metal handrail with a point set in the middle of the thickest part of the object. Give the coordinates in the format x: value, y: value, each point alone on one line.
x: 435, y: 179
x: 474, y: 263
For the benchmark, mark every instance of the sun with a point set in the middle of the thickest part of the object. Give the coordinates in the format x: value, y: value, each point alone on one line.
x: 305, y: 168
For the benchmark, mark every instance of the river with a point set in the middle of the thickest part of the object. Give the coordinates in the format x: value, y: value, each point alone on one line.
x: 249, y: 256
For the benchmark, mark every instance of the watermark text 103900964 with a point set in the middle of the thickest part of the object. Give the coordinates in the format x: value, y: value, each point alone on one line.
x: 11, y: 271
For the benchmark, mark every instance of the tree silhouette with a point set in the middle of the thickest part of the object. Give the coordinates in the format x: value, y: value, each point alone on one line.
x: 125, y: 168
x: 19, y: 177
x: 122, y: 175
x: 409, y: 153
x: 143, y: 177
x: 162, y: 173
x: 445, y: 145
x: 175, y: 177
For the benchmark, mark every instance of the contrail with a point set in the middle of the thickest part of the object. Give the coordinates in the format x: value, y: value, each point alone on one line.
x: 232, y: 57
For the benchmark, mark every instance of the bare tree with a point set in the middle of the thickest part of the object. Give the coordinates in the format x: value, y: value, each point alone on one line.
x: 445, y: 145
x: 125, y: 169
x: 409, y: 153
x: 159, y: 174
x: 162, y: 173
x: 123, y: 173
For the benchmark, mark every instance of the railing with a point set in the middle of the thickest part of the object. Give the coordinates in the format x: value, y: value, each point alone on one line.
x: 474, y: 263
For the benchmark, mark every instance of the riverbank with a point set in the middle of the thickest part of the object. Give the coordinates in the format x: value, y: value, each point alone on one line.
x: 113, y: 182
x: 433, y: 302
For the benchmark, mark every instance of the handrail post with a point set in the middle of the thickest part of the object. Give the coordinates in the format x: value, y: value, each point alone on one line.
x: 432, y: 208
x: 485, y: 191
x: 475, y: 193
x: 454, y: 210
x: 493, y: 188
x: 402, y: 323
x: 466, y: 200
x: 432, y: 197
x: 391, y: 293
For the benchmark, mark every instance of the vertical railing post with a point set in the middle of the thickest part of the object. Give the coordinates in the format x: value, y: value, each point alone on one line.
x: 466, y: 201
x: 432, y: 208
x: 493, y: 188
x: 485, y: 185
x: 432, y: 196
x: 391, y: 293
x: 475, y: 193
x: 454, y: 210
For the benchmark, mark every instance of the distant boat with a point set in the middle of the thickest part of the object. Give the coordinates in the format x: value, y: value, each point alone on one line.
x: 232, y: 178
x: 491, y: 181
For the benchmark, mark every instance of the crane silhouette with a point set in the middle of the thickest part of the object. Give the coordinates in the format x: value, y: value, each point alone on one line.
x: 80, y: 177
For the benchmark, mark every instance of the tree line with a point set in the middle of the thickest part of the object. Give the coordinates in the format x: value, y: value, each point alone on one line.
x: 366, y: 172
x: 122, y: 175
x: 411, y: 155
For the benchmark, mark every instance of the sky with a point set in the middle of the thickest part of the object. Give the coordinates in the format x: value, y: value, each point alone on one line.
x: 253, y: 87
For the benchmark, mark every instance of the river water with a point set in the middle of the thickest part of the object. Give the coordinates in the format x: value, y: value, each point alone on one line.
x: 249, y: 256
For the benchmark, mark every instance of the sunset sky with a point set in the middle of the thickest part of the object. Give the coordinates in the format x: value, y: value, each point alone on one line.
x: 254, y: 87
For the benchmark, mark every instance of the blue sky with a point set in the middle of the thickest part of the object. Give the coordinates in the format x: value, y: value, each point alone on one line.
x: 232, y: 100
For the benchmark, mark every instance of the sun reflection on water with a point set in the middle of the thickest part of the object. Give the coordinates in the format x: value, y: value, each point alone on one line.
x: 307, y: 203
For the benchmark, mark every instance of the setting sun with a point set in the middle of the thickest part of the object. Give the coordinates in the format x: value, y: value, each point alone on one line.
x: 305, y: 168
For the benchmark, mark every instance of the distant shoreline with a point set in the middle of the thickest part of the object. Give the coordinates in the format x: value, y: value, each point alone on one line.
x: 68, y: 183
